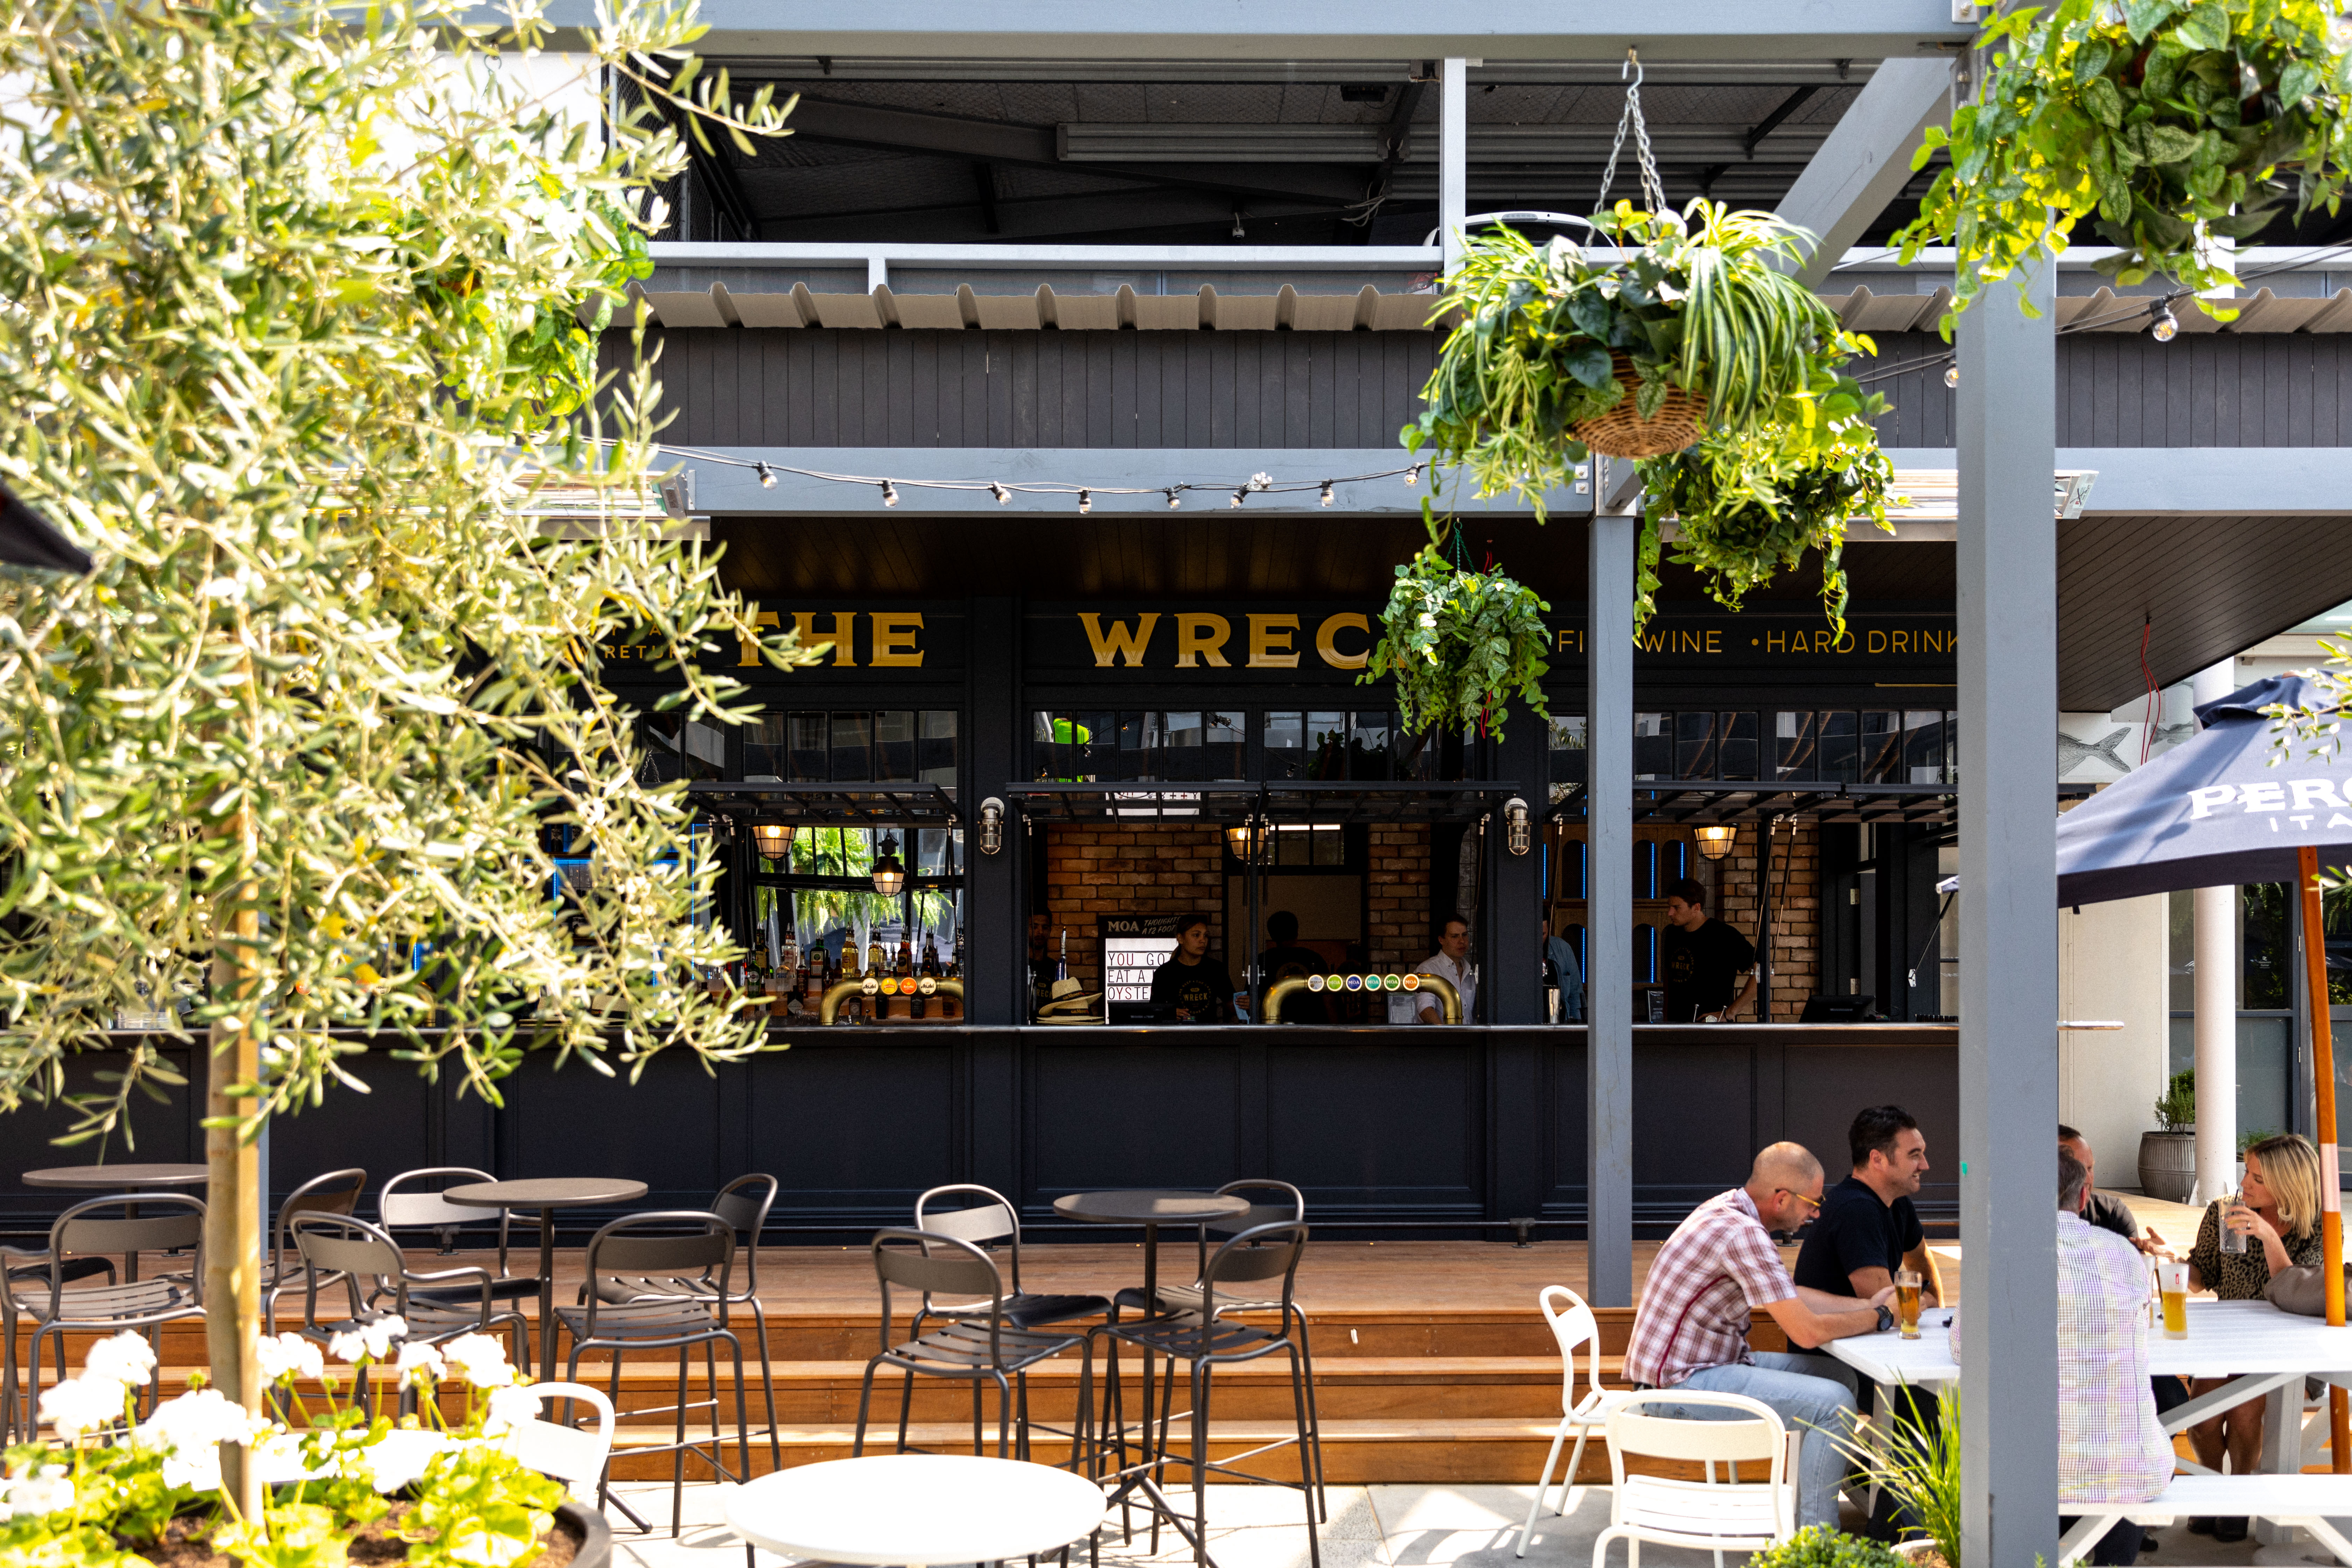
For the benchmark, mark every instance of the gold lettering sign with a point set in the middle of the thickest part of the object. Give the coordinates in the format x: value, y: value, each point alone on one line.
x: 751, y: 650
x: 1202, y: 639
x: 1269, y: 642
x: 894, y: 640
x: 1327, y: 642
x: 843, y: 634
x: 1118, y: 641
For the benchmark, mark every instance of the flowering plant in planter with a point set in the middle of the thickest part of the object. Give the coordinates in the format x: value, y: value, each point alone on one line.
x: 1457, y: 641
x: 2166, y: 124
x: 117, y: 1493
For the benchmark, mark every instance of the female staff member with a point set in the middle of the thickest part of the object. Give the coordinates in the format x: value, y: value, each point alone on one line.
x: 2278, y: 1214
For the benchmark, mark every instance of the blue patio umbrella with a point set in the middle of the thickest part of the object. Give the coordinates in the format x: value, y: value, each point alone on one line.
x: 2229, y: 806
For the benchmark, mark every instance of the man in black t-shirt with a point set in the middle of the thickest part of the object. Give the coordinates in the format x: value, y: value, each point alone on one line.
x: 1192, y: 982
x: 1284, y: 959
x: 1709, y: 968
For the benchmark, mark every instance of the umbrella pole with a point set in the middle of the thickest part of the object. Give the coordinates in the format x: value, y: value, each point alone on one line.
x: 2323, y: 1069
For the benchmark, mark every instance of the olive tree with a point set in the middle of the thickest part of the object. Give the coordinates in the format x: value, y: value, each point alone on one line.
x: 300, y: 308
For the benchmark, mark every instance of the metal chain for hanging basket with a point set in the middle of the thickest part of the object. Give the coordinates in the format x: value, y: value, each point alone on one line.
x: 1653, y: 189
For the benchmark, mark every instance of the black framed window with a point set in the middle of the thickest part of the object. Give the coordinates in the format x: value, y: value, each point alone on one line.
x: 1869, y: 745
x: 1358, y: 744
x: 888, y: 745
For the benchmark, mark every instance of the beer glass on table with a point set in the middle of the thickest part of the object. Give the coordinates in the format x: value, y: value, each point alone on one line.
x: 2172, y: 1287
x: 1906, y: 1301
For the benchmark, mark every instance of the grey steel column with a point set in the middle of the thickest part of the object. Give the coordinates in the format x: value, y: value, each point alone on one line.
x: 2009, y: 927
x: 1609, y: 919
x: 1453, y: 157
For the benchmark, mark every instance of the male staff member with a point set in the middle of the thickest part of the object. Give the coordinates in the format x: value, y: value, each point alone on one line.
x: 1284, y: 959
x: 1710, y: 969
x: 1720, y: 1264
x: 1451, y: 964
x: 1195, y: 985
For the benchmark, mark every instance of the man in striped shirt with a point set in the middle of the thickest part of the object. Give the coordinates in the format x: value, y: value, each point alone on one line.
x: 1691, y: 1330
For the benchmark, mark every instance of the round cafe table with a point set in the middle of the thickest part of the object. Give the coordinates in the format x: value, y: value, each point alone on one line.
x: 121, y: 1179
x: 546, y: 1194
x: 914, y: 1511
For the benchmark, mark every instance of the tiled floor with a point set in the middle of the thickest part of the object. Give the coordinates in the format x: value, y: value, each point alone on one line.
x: 1371, y: 1527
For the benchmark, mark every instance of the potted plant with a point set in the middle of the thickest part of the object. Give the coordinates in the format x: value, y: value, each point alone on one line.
x: 2167, y: 125
x: 1747, y: 503
x: 1458, y: 642
x: 1557, y: 353
x: 1919, y: 1463
x: 2168, y: 1156
x: 1824, y: 1546
x: 423, y: 1489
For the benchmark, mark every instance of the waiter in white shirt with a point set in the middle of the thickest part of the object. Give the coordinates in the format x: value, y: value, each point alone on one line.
x: 1451, y: 964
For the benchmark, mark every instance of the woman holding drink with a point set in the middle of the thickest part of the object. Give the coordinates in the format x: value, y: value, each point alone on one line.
x: 2272, y: 1225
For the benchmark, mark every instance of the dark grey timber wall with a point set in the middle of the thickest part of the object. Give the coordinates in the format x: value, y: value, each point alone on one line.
x: 1421, y: 1127
x: 819, y: 388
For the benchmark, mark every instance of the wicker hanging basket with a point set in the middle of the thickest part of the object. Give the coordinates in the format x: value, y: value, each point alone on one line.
x: 1624, y: 433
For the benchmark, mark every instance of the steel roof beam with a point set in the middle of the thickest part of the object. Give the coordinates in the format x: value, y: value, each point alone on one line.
x: 1305, y: 30
x: 1866, y: 161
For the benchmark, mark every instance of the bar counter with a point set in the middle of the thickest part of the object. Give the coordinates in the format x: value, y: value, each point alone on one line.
x: 1418, y: 1129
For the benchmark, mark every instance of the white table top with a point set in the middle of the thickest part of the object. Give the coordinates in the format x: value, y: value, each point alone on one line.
x: 2226, y: 1339
x: 915, y: 1510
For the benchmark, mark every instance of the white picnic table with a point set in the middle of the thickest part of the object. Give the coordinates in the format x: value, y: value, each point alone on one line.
x: 2259, y: 1348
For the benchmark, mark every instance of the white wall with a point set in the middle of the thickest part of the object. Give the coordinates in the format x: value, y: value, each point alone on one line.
x: 2112, y: 965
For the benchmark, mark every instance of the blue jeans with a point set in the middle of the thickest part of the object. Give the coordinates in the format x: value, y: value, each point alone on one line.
x: 1808, y: 1393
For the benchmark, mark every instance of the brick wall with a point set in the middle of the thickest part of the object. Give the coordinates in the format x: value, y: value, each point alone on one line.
x: 1094, y: 870
x: 1796, y: 937
x: 1397, y: 932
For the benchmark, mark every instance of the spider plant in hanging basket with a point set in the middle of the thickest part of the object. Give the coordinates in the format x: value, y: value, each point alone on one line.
x: 1750, y: 504
x: 1557, y: 351
x: 1458, y: 642
x: 2167, y: 125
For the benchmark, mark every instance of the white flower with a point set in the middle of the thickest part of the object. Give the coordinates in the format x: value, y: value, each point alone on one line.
x: 123, y: 1360
x: 290, y: 1356
x: 189, y: 1431
x: 80, y: 1405
x: 512, y: 1409
x: 398, y: 1458
x: 421, y: 1364
x: 47, y: 1490
x: 383, y: 1334
x: 482, y: 1358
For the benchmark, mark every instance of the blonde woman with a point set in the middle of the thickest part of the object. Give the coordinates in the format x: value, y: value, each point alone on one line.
x: 2278, y: 1214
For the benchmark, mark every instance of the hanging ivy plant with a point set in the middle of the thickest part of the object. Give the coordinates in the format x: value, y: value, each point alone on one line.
x: 2166, y: 124
x: 1750, y: 504
x: 1458, y: 642
x: 1551, y: 339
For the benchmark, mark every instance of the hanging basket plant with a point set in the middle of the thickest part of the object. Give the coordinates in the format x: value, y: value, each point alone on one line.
x: 1745, y: 506
x: 1559, y: 352
x: 1458, y: 642
x: 2167, y: 125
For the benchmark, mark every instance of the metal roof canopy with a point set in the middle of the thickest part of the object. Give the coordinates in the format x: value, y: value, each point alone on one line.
x: 830, y: 806
x: 1230, y: 800
x: 1696, y: 805
x: 1313, y: 801
x: 1134, y: 800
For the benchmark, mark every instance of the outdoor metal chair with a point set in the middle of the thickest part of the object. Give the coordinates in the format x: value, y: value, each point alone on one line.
x: 743, y: 1206
x: 1288, y: 1204
x: 35, y: 1292
x: 1206, y: 1337
x: 985, y: 1224
x: 1572, y: 1324
x: 672, y: 1244
x: 570, y: 1454
x: 986, y: 1346
x: 1708, y: 1515
x: 364, y: 1260
x: 398, y: 1209
x: 337, y: 1192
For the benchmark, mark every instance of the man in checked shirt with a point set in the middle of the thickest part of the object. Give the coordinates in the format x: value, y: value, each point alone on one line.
x: 1691, y: 1330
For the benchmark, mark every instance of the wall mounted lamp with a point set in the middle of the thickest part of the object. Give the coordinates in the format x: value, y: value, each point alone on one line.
x: 991, y: 826
x: 1519, y: 828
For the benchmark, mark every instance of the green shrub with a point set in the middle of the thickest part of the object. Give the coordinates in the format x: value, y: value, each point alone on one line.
x: 1820, y: 1546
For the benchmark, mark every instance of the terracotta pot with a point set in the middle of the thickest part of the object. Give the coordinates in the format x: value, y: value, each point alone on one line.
x: 2168, y: 1166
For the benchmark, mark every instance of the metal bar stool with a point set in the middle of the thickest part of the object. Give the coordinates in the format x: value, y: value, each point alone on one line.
x: 337, y: 1192
x: 1207, y: 1340
x: 364, y: 1259
x: 982, y: 1348
x: 671, y: 1244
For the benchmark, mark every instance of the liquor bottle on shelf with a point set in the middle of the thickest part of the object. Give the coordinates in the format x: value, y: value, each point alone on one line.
x: 906, y: 954
x: 955, y: 957
x: 791, y: 958
x: 931, y: 954
x: 877, y: 962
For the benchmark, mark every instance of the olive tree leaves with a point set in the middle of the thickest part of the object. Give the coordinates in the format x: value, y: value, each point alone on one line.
x: 2164, y: 124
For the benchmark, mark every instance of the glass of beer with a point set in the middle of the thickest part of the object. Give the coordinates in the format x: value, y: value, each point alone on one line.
x: 1906, y: 1301
x: 2172, y: 1286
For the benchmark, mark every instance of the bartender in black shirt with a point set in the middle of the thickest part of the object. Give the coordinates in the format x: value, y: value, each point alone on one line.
x: 1192, y: 982
x: 1710, y: 969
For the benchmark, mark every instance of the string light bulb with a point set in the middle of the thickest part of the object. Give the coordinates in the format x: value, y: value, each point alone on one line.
x: 1952, y: 375
x: 889, y: 494
x: 767, y: 477
x: 1174, y: 500
x: 1085, y: 501
x: 1412, y: 474
x: 1326, y: 492
x: 1003, y: 497
x: 1240, y: 494
x: 2164, y: 326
